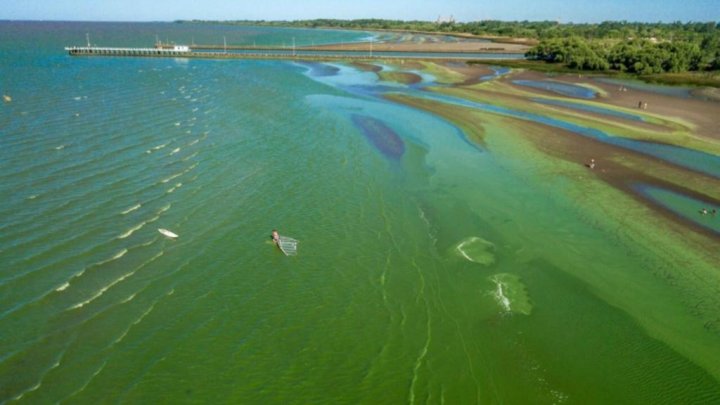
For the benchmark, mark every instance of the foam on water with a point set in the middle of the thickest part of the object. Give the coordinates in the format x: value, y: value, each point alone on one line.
x: 131, y: 209
x: 511, y: 294
x: 477, y: 250
x: 63, y: 287
x: 132, y: 230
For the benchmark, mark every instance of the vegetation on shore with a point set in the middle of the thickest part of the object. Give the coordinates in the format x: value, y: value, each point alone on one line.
x: 647, y: 49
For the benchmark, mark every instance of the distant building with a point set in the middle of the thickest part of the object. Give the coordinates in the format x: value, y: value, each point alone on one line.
x: 445, y: 20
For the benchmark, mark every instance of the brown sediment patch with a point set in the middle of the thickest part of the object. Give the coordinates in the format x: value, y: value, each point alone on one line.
x: 702, y: 114
x: 618, y: 167
x: 667, y: 130
x: 624, y: 169
x: 472, y: 73
x: 366, y: 67
x: 708, y: 93
x: 606, y: 118
x: 439, y: 47
x: 399, y: 77
x: 520, y: 100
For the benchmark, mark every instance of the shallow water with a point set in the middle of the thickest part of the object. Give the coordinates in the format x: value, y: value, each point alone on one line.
x: 565, y: 89
x: 429, y: 268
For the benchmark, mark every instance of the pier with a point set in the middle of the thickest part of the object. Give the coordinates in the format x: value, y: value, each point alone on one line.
x: 266, y: 53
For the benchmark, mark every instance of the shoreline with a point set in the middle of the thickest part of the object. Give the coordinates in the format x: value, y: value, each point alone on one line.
x: 609, y: 201
x: 621, y: 168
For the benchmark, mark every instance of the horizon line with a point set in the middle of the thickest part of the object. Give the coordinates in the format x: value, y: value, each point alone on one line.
x: 356, y: 19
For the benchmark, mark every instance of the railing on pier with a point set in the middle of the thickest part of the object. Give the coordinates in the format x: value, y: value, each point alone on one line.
x: 107, y: 51
x: 299, y: 55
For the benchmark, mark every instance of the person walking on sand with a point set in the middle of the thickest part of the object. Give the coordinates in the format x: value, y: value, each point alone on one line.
x: 592, y: 164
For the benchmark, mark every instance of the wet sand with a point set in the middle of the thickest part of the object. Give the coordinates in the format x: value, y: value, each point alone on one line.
x: 620, y: 168
x: 702, y: 114
x: 452, y: 47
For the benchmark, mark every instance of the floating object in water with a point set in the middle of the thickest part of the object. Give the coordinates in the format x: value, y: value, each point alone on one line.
x: 7, y: 98
x: 167, y: 233
x: 511, y: 294
x: 287, y: 245
x: 477, y: 250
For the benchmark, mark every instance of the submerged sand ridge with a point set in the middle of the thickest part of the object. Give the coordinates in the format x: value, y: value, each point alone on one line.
x: 613, y: 154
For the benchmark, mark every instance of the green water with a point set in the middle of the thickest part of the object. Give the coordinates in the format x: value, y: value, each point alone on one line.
x: 394, y: 295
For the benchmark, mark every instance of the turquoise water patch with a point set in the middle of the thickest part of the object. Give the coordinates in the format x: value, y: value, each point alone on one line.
x: 320, y: 69
x: 565, y: 89
x: 590, y: 108
x: 693, y: 159
x: 498, y: 71
x: 477, y: 250
x: 511, y: 294
x: 702, y: 213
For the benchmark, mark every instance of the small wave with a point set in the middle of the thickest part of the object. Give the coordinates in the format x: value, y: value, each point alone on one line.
x: 190, y: 157
x: 63, y: 287
x: 117, y: 256
x: 131, y: 209
x: 100, y: 263
x: 177, y: 124
x: 176, y: 150
x: 60, y: 147
x: 101, y: 291
x: 132, y: 230
x: 32, y: 197
x: 29, y: 390
x: 165, y: 208
x: 194, y: 142
x: 81, y: 389
x: 175, y: 187
x: 174, y: 176
x: 128, y: 299
x: 158, y: 147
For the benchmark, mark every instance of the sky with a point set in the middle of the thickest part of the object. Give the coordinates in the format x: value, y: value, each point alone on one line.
x: 576, y: 11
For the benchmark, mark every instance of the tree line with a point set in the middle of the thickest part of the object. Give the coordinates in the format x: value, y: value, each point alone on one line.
x: 633, y: 55
x: 643, y: 48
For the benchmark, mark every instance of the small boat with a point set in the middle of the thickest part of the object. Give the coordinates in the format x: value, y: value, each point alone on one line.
x: 169, y: 234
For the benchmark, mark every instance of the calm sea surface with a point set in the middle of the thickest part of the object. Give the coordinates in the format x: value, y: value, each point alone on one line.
x: 429, y: 270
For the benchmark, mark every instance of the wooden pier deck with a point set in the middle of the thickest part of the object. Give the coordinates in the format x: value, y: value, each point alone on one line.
x: 286, y: 54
